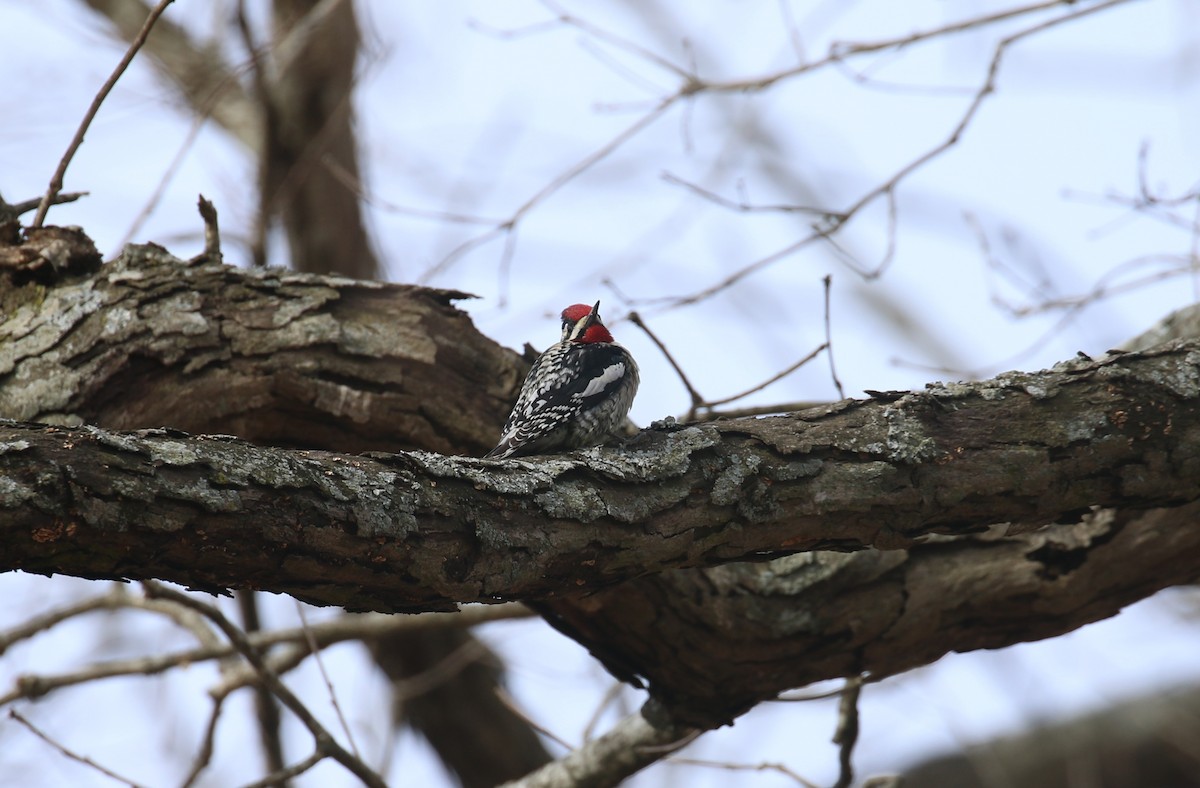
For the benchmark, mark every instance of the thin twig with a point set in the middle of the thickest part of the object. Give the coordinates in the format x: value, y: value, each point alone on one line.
x: 511, y: 704
x: 12, y: 211
x: 315, y: 648
x: 207, y: 745
x: 212, y: 231
x: 348, y: 627
x: 778, y: 376
x: 13, y: 714
x: 275, y: 779
x: 438, y: 674
x: 508, y: 225
x: 835, y: 221
x: 324, y: 740
x: 164, y: 181
x: 56, y: 181
x: 343, y: 176
x: 745, y: 767
x: 697, y: 400
x: 828, y: 282
x: 741, y: 205
x: 846, y: 735
x: 262, y: 96
x: 610, y: 695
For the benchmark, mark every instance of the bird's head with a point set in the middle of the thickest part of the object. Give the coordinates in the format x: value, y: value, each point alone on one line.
x: 581, y: 323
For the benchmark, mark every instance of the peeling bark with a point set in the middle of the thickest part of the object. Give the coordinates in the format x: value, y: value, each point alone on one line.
x: 271, y: 356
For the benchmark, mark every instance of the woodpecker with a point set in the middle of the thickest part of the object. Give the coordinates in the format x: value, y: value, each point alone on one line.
x: 577, y: 393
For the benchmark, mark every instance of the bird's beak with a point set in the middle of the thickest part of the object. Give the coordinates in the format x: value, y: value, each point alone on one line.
x: 592, y: 317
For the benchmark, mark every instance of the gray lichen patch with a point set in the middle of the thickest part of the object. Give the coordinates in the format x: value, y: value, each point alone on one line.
x: 298, y: 333
x: 525, y: 476
x: 573, y: 501
x: 7, y: 447
x: 13, y: 493
x: 1182, y: 380
x: 41, y: 384
x: 670, y: 458
x: 726, y: 488
x: 907, y: 440
x: 34, y: 329
x: 172, y: 453
x: 115, y: 440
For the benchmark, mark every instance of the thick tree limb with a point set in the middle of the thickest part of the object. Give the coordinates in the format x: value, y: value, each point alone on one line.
x: 423, y: 531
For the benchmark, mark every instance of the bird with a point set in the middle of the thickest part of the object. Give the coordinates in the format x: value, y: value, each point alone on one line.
x: 576, y: 394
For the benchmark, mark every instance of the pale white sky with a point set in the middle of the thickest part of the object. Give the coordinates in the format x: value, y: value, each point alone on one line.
x: 457, y: 118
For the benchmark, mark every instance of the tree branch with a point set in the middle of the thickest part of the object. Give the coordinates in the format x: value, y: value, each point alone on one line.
x: 628, y: 748
x: 593, y: 537
x: 422, y: 531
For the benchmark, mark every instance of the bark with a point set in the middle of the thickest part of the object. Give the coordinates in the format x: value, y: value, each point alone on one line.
x: 273, y: 357
x: 422, y: 531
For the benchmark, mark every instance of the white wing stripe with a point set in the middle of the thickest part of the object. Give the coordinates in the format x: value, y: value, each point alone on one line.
x: 610, y: 375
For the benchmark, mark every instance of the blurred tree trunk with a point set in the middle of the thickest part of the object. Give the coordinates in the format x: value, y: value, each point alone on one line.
x: 1148, y: 741
x: 295, y: 118
x: 309, y: 136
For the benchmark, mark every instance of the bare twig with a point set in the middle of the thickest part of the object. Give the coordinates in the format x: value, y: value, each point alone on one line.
x: 776, y: 377
x: 628, y: 748
x: 13, y: 714
x: 349, y: 627
x: 164, y: 180
x: 274, y: 779
x: 618, y: 41
x: 827, y: 280
x: 742, y: 205
x: 355, y: 185
x: 315, y: 648
x: 324, y: 740
x: 508, y: 225
x: 846, y: 735
x: 207, y: 745
x: 697, y: 400
x: 56, y: 181
x: 212, y: 231
x: 9, y: 211
x: 745, y: 767
x: 262, y: 96
x: 454, y: 663
x: 610, y: 695
x: 511, y: 704
x: 835, y: 221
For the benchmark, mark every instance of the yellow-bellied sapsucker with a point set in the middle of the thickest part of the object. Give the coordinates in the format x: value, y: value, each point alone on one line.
x: 577, y: 393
